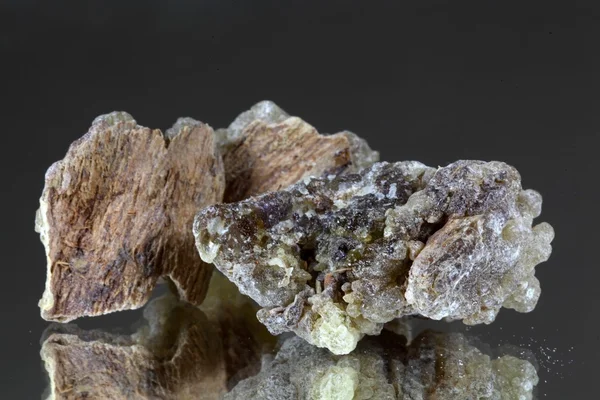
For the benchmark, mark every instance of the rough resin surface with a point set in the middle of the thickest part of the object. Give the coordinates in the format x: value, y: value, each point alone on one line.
x: 265, y: 149
x: 335, y: 258
x: 115, y: 216
x: 436, y: 366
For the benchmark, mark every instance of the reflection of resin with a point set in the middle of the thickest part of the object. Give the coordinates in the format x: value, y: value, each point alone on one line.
x: 180, y: 352
x: 433, y: 366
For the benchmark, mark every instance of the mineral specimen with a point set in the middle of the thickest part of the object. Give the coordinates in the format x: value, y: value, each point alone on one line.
x: 265, y: 149
x: 116, y: 213
x: 434, y: 366
x: 334, y: 258
x: 179, y: 353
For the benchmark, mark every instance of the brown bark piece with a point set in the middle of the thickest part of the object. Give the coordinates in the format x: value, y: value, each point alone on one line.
x: 116, y: 214
x: 271, y: 156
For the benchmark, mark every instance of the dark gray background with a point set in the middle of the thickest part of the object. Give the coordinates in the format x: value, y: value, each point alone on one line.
x: 430, y: 81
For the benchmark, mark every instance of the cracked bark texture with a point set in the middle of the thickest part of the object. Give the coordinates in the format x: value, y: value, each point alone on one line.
x: 335, y: 258
x: 265, y: 150
x: 116, y: 213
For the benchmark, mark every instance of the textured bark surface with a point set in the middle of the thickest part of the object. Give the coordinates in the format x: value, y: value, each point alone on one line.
x: 266, y: 150
x: 180, y: 353
x: 116, y: 214
x: 273, y: 156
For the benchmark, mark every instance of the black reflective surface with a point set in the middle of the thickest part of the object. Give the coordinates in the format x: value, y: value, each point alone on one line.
x: 219, y: 351
x: 429, y: 81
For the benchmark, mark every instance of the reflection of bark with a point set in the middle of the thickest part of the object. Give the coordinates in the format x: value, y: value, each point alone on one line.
x: 434, y: 366
x: 181, y: 352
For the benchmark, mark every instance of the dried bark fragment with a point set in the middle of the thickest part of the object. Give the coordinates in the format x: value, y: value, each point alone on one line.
x: 116, y: 212
x: 180, y: 353
x: 335, y: 258
x: 265, y: 111
x: 434, y: 366
x: 265, y: 149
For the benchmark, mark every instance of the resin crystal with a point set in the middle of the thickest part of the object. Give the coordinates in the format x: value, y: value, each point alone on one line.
x: 334, y: 258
